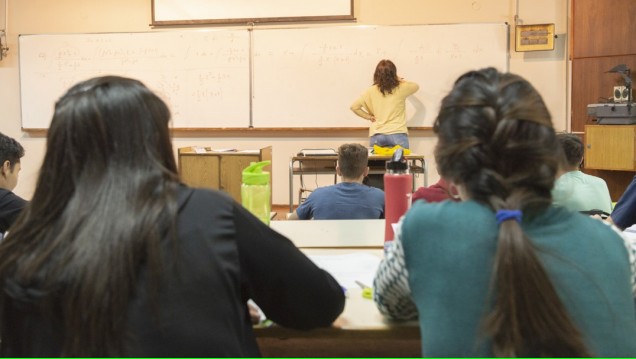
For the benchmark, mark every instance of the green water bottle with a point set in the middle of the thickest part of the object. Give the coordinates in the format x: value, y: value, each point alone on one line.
x: 256, y: 190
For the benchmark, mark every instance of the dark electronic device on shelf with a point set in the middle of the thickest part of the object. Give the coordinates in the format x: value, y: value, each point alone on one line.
x: 616, y: 113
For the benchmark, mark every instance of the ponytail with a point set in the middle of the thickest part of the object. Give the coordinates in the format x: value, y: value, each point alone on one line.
x: 528, y: 318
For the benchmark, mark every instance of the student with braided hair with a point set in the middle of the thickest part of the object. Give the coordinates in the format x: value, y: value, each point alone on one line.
x: 504, y: 273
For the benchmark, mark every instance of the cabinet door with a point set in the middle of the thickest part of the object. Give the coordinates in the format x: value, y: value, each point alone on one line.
x: 199, y: 170
x: 232, y: 167
x: 610, y: 147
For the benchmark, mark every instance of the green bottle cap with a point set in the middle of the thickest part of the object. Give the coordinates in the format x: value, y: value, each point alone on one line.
x: 254, y: 174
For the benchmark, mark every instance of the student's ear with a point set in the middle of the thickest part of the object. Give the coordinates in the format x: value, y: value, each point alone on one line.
x: 6, y: 168
x: 338, y: 170
x: 366, y: 172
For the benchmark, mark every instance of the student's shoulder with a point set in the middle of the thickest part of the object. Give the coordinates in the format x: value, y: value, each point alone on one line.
x: 323, y: 190
x: 5, y: 193
x: 459, y: 220
x: 7, y: 196
x: 428, y: 213
x: 579, y: 225
x: 449, y: 206
x: 596, y: 180
x: 203, y: 196
x: 374, y: 190
x: 376, y: 193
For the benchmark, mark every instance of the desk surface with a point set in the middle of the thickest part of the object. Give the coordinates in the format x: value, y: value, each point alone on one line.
x: 360, y: 313
x: 360, y: 331
x: 332, y: 233
x: 210, y: 151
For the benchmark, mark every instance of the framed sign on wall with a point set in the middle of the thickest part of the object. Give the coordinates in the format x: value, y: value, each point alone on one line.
x: 538, y: 37
x: 192, y: 12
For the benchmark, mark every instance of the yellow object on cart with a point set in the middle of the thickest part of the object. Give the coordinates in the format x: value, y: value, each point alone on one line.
x: 388, y: 151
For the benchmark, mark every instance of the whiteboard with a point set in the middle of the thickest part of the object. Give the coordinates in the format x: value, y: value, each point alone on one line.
x: 310, y: 77
x: 265, y: 78
x: 202, y: 75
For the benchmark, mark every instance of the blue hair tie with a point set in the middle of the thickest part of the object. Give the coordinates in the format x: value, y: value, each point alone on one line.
x: 506, y: 214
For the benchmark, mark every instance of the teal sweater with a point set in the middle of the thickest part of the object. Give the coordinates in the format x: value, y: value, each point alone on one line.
x: 449, y: 249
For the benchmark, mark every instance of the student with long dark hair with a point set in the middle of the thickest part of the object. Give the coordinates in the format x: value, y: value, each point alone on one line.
x: 116, y: 258
x: 503, y: 272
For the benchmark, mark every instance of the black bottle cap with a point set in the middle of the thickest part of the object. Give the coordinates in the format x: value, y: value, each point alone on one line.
x: 397, y: 162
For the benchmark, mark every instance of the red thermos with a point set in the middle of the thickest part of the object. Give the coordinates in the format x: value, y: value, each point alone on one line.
x: 398, y: 186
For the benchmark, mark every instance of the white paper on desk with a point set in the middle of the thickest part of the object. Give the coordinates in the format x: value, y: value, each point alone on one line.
x: 349, y: 268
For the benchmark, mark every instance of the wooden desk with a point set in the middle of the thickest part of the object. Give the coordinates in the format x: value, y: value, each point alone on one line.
x: 333, y: 233
x: 206, y: 168
x: 360, y: 331
x: 326, y: 165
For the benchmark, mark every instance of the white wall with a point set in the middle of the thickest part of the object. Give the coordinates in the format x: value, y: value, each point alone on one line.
x: 547, y: 70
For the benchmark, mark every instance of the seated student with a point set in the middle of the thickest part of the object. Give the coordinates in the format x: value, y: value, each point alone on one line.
x: 574, y: 189
x: 503, y: 272
x: 349, y: 199
x: 437, y: 192
x: 624, y: 213
x: 10, y: 204
x: 115, y: 257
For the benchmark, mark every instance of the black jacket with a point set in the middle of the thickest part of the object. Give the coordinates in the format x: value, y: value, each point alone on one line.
x: 223, y: 257
x: 10, y: 207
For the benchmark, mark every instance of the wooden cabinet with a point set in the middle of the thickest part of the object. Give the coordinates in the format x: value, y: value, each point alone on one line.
x: 203, y: 167
x: 610, y: 147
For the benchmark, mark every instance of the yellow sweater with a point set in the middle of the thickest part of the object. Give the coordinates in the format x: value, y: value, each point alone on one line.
x: 388, y: 110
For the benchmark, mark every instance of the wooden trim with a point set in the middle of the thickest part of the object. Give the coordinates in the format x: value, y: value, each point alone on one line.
x: 242, y: 131
x: 251, y: 20
x: 282, y: 129
x: 254, y: 21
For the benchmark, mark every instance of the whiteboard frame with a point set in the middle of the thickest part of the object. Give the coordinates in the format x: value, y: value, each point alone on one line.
x: 199, y: 12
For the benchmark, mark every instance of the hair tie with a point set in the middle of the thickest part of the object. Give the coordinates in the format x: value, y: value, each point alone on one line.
x: 506, y: 214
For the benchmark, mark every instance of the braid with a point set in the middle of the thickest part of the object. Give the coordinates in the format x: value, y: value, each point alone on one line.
x: 495, y: 137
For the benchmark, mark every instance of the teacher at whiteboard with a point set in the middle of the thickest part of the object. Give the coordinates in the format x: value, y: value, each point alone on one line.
x: 384, y: 105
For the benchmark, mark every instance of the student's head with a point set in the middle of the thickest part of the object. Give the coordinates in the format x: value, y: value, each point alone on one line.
x: 108, y: 125
x: 573, y: 150
x: 352, y: 160
x: 10, y: 153
x: 104, y: 201
x: 385, y: 76
x: 496, y: 141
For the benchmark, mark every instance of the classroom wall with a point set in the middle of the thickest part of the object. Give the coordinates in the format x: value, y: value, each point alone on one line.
x: 547, y: 70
